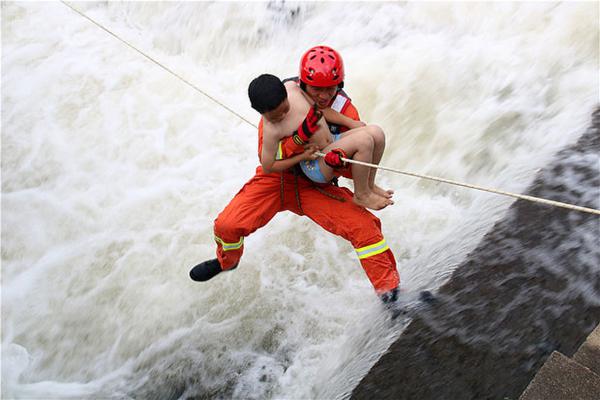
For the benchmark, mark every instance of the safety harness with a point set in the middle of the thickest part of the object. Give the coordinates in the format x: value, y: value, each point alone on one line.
x: 297, y: 172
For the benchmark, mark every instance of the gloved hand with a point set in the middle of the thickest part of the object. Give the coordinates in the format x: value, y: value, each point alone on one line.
x: 334, y: 158
x: 308, y: 127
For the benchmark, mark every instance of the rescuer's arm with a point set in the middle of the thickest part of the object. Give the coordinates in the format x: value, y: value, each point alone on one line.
x: 290, y: 148
x: 282, y: 165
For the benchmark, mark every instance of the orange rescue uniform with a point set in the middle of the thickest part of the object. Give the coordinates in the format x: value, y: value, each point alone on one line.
x: 330, y: 206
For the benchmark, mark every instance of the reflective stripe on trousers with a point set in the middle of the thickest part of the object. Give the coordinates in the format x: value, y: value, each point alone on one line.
x: 229, y: 246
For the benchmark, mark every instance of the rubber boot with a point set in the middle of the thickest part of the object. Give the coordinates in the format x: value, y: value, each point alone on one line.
x: 389, y: 298
x: 391, y: 304
x: 205, y: 270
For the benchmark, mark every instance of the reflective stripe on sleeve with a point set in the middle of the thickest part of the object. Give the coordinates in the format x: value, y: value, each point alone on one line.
x: 279, y: 155
x: 229, y: 246
x: 372, y: 250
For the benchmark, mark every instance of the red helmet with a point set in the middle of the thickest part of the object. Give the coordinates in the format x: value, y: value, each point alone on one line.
x: 322, y: 66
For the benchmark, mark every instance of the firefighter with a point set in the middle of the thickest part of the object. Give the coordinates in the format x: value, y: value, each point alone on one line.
x: 328, y: 205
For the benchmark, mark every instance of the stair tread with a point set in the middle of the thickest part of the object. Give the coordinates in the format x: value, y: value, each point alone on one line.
x: 589, y: 352
x: 561, y: 378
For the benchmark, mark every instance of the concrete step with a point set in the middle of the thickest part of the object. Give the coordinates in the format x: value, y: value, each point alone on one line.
x: 589, y: 353
x: 561, y: 378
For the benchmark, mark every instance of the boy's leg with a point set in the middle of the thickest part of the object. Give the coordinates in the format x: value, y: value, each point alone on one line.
x: 378, y: 148
x: 358, y: 146
x: 250, y: 209
x: 378, y: 136
x: 360, y: 227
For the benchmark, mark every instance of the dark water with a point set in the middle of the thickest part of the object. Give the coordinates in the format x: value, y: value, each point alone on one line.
x: 530, y: 287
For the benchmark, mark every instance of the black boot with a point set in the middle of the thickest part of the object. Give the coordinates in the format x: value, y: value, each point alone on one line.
x: 391, y: 303
x: 389, y: 297
x: 205, y: 270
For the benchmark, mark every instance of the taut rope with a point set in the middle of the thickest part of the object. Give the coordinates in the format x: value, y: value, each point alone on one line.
x: 157, y: 63
x: 467, y: 185
x: 433, y: 178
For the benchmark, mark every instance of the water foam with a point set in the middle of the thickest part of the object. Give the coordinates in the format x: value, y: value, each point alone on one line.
x: 113, y: 172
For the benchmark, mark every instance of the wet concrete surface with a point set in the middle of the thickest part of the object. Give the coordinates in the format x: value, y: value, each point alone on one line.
x: 532, y: 286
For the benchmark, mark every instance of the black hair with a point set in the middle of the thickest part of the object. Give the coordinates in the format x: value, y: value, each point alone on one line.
x: 340, y: 85
x: 266, y: 93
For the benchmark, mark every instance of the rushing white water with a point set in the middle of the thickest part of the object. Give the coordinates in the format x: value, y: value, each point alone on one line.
x: 113, y: 171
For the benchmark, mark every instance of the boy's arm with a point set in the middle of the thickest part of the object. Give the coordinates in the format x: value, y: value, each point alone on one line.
x: 282, y: 165
x: 334, y: 117
x: 269, y: 150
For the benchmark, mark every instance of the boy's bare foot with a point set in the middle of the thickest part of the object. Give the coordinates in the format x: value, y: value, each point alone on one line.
x: 372, y: 201
x: 382, y: 192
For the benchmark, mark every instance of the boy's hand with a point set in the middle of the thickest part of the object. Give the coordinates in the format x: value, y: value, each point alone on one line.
x: 334, y: 158
x: 310, y: 152
x: 308, y: 127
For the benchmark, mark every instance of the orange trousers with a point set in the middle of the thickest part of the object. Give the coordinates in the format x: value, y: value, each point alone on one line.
x: 264, y: 195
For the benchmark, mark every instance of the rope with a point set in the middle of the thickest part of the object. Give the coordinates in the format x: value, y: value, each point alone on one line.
x: 484, y: 189
x: 433, y: 178
x: 333, y: 196
x: 158, y: 63
x: 297, y: 192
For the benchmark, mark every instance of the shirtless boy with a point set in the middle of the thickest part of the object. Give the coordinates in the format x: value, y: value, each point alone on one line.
x: 286, y: 111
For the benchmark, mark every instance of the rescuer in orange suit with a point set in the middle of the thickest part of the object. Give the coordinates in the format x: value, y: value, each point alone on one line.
x: 330, y: 206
